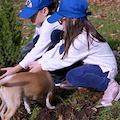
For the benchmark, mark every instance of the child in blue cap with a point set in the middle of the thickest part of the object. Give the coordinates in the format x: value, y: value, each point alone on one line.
x: 32, y: 8
x: 81, y: 42
x: 46, y: 35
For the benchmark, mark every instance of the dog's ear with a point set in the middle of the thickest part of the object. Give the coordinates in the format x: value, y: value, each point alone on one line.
x: 2, y: 72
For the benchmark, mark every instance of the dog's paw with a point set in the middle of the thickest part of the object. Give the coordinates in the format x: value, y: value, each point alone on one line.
x: 29, y: 112
x: 51, y: 107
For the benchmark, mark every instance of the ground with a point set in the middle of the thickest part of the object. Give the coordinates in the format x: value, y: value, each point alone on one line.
x: 63, y: 110
x: 77, y: 104
x: 75, y: 108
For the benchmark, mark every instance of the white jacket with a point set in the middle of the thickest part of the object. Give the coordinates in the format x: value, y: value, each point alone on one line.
x: 43, y: 43
x: 99, y: 53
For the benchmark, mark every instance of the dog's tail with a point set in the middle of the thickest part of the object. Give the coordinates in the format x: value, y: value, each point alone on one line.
x: 6, y: 79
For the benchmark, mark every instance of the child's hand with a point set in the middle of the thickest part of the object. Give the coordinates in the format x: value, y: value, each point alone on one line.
x: 10, y: 71
x: 35, y: 67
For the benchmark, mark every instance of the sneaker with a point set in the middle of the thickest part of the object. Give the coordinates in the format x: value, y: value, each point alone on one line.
x: 110, y: 94
x: 99, y: 105
x: 118, y: 95
x: 57, y: 84
x: 66, y: 85
x: 58, y: 79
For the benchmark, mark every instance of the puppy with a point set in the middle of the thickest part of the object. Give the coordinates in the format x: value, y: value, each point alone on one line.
x: 24, y: 85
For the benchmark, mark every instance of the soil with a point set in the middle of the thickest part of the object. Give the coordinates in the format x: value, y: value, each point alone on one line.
x: 78, y: 109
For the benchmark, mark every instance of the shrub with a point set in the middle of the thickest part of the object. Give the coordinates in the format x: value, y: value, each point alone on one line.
x: 10, y: 34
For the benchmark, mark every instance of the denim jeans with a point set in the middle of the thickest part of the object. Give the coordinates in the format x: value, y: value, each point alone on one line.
x: 88, y: 76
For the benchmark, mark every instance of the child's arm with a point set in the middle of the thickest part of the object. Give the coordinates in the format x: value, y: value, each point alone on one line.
x: 76, y: 52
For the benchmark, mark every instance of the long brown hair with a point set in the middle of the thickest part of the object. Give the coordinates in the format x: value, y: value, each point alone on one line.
x: 72, y: 31
x: 53, y: 7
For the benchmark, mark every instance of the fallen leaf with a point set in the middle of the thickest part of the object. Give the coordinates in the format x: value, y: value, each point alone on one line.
x: 94, y: 97
x: 60, y: 117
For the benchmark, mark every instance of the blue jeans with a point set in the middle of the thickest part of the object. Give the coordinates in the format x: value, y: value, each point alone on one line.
x: 88, y: 76
x: 30, y: 45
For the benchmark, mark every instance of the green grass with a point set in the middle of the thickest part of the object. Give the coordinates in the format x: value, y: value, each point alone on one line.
x: 108, y: 113
x: 35, y: 112
x: 107, y: 21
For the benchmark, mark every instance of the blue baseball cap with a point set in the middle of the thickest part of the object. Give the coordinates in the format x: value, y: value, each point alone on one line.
x: 70, y: 9
x: 32, y: 6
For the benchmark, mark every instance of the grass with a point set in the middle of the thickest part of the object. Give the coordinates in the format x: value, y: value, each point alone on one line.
x: 35, y: 112
x: 108, y: 113
x: 106, y: 19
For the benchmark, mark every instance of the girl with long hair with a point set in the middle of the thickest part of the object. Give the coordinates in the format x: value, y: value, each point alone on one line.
x: 81, y: 43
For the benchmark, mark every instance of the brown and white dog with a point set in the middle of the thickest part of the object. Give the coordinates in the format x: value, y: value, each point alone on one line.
x: 24, y: 85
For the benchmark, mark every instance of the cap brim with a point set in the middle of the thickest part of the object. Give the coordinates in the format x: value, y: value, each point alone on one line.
x: 27, y: 12
x: 55, y: 17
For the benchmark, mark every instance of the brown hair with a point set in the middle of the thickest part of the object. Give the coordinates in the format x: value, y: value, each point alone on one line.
x: 72, y: 31
x: 53, y: 7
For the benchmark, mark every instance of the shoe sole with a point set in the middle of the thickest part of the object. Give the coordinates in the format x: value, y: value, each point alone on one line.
x: 57, y: 85
x: 105, y: 105
x: 68, y: 88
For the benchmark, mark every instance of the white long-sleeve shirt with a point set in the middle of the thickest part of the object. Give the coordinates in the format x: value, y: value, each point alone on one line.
x: 99, y: 53
x: 43, y: 43
x: 37, y: 30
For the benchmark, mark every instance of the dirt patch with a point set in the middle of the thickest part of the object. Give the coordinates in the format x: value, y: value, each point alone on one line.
x: 76, y: 109
x: 70, y: 105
